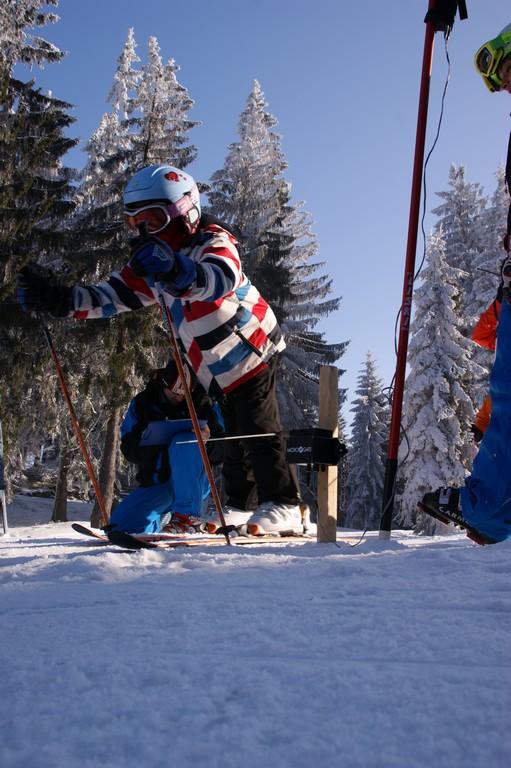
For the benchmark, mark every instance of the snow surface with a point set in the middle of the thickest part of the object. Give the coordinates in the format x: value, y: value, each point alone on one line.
x: 387, y: 654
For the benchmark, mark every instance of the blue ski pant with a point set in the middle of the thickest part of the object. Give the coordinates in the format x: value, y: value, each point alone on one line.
x: 185, y: 492
x: 486, y: 497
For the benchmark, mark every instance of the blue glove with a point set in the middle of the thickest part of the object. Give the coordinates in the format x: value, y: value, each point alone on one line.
x: 182, y: 276
x: 151, y: 256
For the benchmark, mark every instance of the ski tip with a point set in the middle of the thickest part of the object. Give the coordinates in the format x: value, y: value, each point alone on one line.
x: 99, y: 536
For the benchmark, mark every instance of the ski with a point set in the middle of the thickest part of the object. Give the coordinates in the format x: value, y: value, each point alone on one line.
x: 129, y: 541
x: 89, y: 532
x: 145, y: 537
x: 174, y: 541
x: 472, y: 533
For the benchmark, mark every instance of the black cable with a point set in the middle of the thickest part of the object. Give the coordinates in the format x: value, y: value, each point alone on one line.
x: 425, y: 191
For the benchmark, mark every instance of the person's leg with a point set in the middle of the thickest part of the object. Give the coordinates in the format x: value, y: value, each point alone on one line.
x: 238, y: 479
x: 486, y: 497
x: 256, y: 409
x: 142, y: 510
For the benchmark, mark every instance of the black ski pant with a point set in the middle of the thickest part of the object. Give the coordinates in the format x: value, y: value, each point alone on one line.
x: 257, y: 464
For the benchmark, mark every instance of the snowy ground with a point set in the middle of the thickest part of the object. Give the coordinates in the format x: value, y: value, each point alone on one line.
x: 383, y: 655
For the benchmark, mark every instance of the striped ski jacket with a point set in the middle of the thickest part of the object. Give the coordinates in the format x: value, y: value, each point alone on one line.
x: 228, y: 330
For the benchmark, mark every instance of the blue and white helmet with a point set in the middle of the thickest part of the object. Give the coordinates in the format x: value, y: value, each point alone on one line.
x: 165, y: 184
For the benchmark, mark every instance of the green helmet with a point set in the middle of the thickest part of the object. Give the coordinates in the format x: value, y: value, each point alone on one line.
x: 490, y: 56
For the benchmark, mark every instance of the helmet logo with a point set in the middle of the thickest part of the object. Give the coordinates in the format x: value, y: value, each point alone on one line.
x: 173, y: 176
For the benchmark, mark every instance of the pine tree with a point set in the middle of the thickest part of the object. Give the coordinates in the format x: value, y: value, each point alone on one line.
x: 487, y: 270
x: 461, y: 218
x: 163, y: 105
x: 245, y: 192
x: 35, y: 197
x: 486, y: 274
x: 250, y: 194
x: 437, y: 412
x: 367, y: 450
x: 299, y: 302
x: 126, y: 78
x: 18, y: 44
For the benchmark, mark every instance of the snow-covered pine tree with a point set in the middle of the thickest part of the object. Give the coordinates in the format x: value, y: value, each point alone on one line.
x: 35, y: 197
x: 245, y: 193
x: 106, y: 159
x: 461, y: 218
x: 18, y: 43
x: 250, y: 194
x: 126, y: 78
x: 36, y: 186
x: 487, y: 273
x: 438, y: 412
x: 292, y: 248
x: 366, y: 466
x: 163, y: 105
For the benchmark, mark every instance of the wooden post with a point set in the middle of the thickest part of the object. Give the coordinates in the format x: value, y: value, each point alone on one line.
x: 327, y: 476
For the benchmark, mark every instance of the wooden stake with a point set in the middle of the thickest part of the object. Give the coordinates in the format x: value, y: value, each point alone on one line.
x: 327, y: 476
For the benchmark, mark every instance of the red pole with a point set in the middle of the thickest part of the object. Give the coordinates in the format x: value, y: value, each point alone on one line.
x: 193, y: 413
x: 77, y: 430
x: 406, y: 305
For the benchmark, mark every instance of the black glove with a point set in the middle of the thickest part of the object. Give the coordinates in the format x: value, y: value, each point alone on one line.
x: 35, y: 291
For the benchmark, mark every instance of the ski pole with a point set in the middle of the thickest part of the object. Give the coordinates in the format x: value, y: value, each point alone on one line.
x: 76, y: 427
x: 231, y: 437
x: 191, y: 408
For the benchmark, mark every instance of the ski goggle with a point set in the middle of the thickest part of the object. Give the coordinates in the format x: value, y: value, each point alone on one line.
x: 488, y: 59
x: 176, y: 386
x: 156, y: 216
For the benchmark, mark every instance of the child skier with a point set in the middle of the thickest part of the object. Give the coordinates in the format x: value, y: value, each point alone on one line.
x: 483, y: 504
x: 170, y: 472
x: 230, y: 334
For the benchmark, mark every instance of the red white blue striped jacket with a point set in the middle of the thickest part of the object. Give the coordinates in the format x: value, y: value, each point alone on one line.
x: 228, y: 330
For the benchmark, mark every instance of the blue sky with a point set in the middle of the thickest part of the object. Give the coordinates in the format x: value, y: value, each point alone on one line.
x: 342, y: 79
